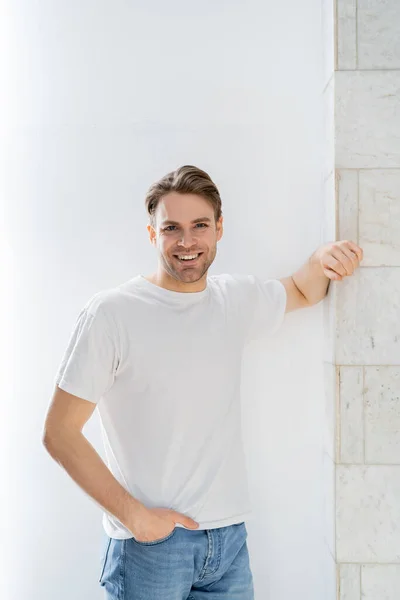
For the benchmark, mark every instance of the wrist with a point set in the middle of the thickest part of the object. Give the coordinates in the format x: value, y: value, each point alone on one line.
x: 134, y: 512
x: 315, y: 263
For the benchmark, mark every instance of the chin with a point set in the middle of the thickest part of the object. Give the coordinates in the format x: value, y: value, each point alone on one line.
x: 188, y: 275
x: 191, y: 277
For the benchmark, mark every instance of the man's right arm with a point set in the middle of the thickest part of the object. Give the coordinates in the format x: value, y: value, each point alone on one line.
x: 65, y: 442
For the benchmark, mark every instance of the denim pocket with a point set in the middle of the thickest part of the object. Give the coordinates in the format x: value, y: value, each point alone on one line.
x: 104, y: 560
x: 154, y: 542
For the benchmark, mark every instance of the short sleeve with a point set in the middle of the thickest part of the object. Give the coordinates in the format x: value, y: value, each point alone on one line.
x: 90, y: 360
x: 266, y: 306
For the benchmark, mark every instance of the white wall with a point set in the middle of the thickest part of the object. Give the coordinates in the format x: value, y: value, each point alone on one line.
x: 104, y: 98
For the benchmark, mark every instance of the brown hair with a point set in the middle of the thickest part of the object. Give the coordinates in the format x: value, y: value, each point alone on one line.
x: 185, y: 180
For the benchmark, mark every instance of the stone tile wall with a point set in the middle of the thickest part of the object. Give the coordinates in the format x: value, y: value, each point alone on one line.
x: 364, y: 311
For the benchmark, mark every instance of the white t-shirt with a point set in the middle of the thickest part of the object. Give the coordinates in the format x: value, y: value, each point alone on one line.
x: 164, y: 368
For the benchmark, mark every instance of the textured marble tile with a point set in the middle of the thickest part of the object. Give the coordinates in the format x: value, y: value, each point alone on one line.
x: 346, y: 34
x: 351, y: 415
x: 329, y: 323
x: 328, y: 230
x: 331, y: 379
x: 329, y: 502
x: 368, y: 323
x: 380, y: 582
x: 378, y: 34
x: 347, y: 184
x: 367, y: 513
x: 367, y: 126
x: 382, y: 415
x: 349, y: 582
x: 379, y: 216
x: 328, y: 46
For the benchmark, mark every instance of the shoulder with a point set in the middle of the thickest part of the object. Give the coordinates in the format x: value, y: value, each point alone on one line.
x: 237, y: 281
x: 103, y: 304
x: 250, y: 289
x: 231, y: 280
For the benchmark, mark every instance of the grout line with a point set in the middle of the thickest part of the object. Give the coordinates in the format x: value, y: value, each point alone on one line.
x: 363, y: 408
x: 360, y: 582
x: 338, y: 419
x: 368, y: 365
x: 358, y: 207
x: 353, y: 464
x: 366, y: 70
x: 336, y: 38
x: 363, y: 563
x: 368, y: 169
x: 337, y: 197
x: 337, y: 454
x: 356, y: 35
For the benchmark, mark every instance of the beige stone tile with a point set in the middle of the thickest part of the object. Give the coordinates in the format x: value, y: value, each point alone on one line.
x: 351, y: 415
x: 379, y: 217
x: 349, y: 582
x: 367, y: 125
x: 380, y: 582
x: 347, y: 182
x: 329, y: 323
x: 329, y: 234
x: 367, y: 513
x: 378, y: 34
x: 382, y: 415
x: 328, y: 230
x: 346, y: 34
x: 368, y: 323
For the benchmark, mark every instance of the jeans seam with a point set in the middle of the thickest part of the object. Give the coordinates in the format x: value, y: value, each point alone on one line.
x: 105, y: 560
x: 121, y: 594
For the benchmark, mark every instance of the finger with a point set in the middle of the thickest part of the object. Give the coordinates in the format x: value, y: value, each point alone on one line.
x: 351, y: 255
x: 333, y: 275
x: 345, y: 261
x: 359, y: 251
x: 184, y: 520
x: 333, y: 263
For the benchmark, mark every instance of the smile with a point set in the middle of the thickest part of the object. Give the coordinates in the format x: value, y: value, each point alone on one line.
x: 188, y: 257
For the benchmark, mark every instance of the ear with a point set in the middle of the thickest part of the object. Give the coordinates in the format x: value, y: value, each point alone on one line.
x: 220, y: 228
x: 152, y: 234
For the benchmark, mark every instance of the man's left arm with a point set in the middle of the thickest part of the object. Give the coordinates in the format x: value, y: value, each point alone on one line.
x: 309, y: 285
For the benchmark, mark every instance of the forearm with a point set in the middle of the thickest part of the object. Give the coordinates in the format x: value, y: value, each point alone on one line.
x: 311, y: 280
x: 84, y: 465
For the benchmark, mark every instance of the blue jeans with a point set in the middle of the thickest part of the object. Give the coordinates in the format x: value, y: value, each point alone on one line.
x: 187, y: 564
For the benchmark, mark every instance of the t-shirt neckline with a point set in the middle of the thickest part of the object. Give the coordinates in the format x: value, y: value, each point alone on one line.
x: 183, y: 297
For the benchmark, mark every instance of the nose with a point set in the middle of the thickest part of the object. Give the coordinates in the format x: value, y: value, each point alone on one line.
x: 187, y: 239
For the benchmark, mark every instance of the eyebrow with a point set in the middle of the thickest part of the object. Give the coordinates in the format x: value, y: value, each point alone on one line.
x: 201, y: 219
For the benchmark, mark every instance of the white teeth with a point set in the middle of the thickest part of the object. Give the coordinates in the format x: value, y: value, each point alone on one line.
x: 183, y: 257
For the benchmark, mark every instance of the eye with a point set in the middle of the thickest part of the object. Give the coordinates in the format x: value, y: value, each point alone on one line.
x: 202, y: 224
x: 168, y: 228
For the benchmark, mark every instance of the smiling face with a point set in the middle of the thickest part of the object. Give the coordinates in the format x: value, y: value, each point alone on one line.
x: 185, y: 234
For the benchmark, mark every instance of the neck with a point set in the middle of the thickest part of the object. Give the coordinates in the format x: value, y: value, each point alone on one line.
x: 164, y: 280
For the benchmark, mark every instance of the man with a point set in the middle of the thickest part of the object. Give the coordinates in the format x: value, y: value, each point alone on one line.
x: 160, y: 356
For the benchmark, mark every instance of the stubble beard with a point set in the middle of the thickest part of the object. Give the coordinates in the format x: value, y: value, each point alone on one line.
x: 188, y: 275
